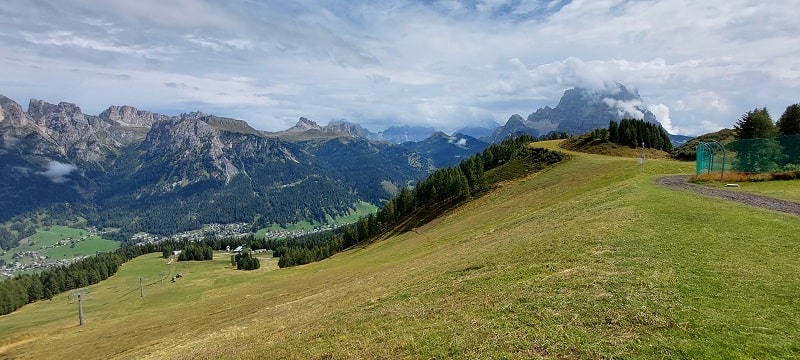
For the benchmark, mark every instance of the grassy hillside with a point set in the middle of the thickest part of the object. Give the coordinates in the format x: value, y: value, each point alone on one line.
x: 586, y: 144
x: 588, y: 259
x: 46, y: 242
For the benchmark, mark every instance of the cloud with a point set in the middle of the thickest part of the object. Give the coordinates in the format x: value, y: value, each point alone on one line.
x: 461, y: 142
x: 627, y: 109
x: 69, y: 39
x: 661, y: 112
x: 218, y: 45
x: 449, y: 63
x: 57, y: 172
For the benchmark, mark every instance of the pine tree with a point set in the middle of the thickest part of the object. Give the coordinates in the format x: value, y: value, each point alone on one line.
x: 756, y: 149
x: 755, y: 124
x: 789, y: 122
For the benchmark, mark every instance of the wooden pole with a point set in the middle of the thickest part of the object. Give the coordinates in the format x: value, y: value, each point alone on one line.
x: 80, y: 310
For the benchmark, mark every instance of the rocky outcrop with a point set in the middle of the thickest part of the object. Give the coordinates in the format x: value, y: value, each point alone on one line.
x: 130, y: 116
x: 345, y: 128
x: 304, y: 124
x: 63, y: 129
x: 11, y: 113
x: 192, y: 146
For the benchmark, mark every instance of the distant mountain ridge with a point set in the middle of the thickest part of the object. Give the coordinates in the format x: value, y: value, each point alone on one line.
x: 309, y: 128
x: 141, y: 171
x: 578, y: 111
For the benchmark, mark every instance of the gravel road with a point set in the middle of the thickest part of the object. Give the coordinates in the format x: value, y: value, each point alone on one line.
x: 679, y: 182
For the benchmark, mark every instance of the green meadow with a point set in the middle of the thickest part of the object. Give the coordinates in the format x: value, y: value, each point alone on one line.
x: 360, y: 209
x: 588, y: 259
x: 46, y: 243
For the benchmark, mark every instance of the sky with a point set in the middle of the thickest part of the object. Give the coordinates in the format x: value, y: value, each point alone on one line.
x: 698, y: 65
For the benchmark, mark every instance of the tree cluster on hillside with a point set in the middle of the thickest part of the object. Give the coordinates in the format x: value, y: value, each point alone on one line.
x: 16, y: 230
x: 196, y: 252
x: 762, y: 145
x: 688, y: 150
x: 245, y: 261
x: 444, y: 187
x: 635, y: 133
x: 27, y: 288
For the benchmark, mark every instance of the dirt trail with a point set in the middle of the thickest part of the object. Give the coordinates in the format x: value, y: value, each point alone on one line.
x: 679, y: 182
x: 6, y: 347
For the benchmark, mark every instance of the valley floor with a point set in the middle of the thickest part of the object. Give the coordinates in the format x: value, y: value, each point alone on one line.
x: 589, y: 259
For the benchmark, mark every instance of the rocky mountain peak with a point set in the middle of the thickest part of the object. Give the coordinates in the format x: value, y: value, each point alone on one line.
x: 580, y: 110
x: 304, y: 124
x: 11, y: 112
x: 130, y: 116
x: 515, y: 119
x: 190, y: 140
x: 347, y: 129
x: 39, y: 109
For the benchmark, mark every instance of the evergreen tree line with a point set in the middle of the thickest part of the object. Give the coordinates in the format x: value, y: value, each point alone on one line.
x: 27, y: 288
x: 762, y: 145
x: 204, y: 250
x: 248, y: 242
x: 448, y: 185
x: 245, y: 261
x: 196, y: 252
x: 634, y: 133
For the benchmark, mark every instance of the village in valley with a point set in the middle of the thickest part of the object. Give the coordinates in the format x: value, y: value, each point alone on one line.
x: 33, y: 255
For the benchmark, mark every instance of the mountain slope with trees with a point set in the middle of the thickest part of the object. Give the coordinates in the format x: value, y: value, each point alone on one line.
x: 134, y: 170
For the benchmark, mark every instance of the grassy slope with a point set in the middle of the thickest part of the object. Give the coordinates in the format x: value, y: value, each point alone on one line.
x: 586, y: 144
x: 588, y: 259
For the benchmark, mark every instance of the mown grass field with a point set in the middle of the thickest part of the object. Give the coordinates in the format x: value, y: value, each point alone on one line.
x: 781, y: 189
x: 589, y: 259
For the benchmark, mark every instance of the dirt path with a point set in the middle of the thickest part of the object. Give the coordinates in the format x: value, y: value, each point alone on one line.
x: 679, y: 182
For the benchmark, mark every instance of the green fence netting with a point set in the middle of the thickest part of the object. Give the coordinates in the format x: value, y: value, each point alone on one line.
x: 750, y: 155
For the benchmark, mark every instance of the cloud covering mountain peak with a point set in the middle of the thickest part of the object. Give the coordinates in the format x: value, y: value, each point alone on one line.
x: 414, y: 62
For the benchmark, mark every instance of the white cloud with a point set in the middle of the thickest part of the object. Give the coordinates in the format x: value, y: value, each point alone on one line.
x: 57, y: 172
x: 628, y: 109
x: 448, y: 63
x: 661, y: 112
x: 702, y: 100
x: 69, y: 39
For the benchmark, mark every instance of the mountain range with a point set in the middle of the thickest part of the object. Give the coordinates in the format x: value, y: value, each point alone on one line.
x: 135, y: 170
